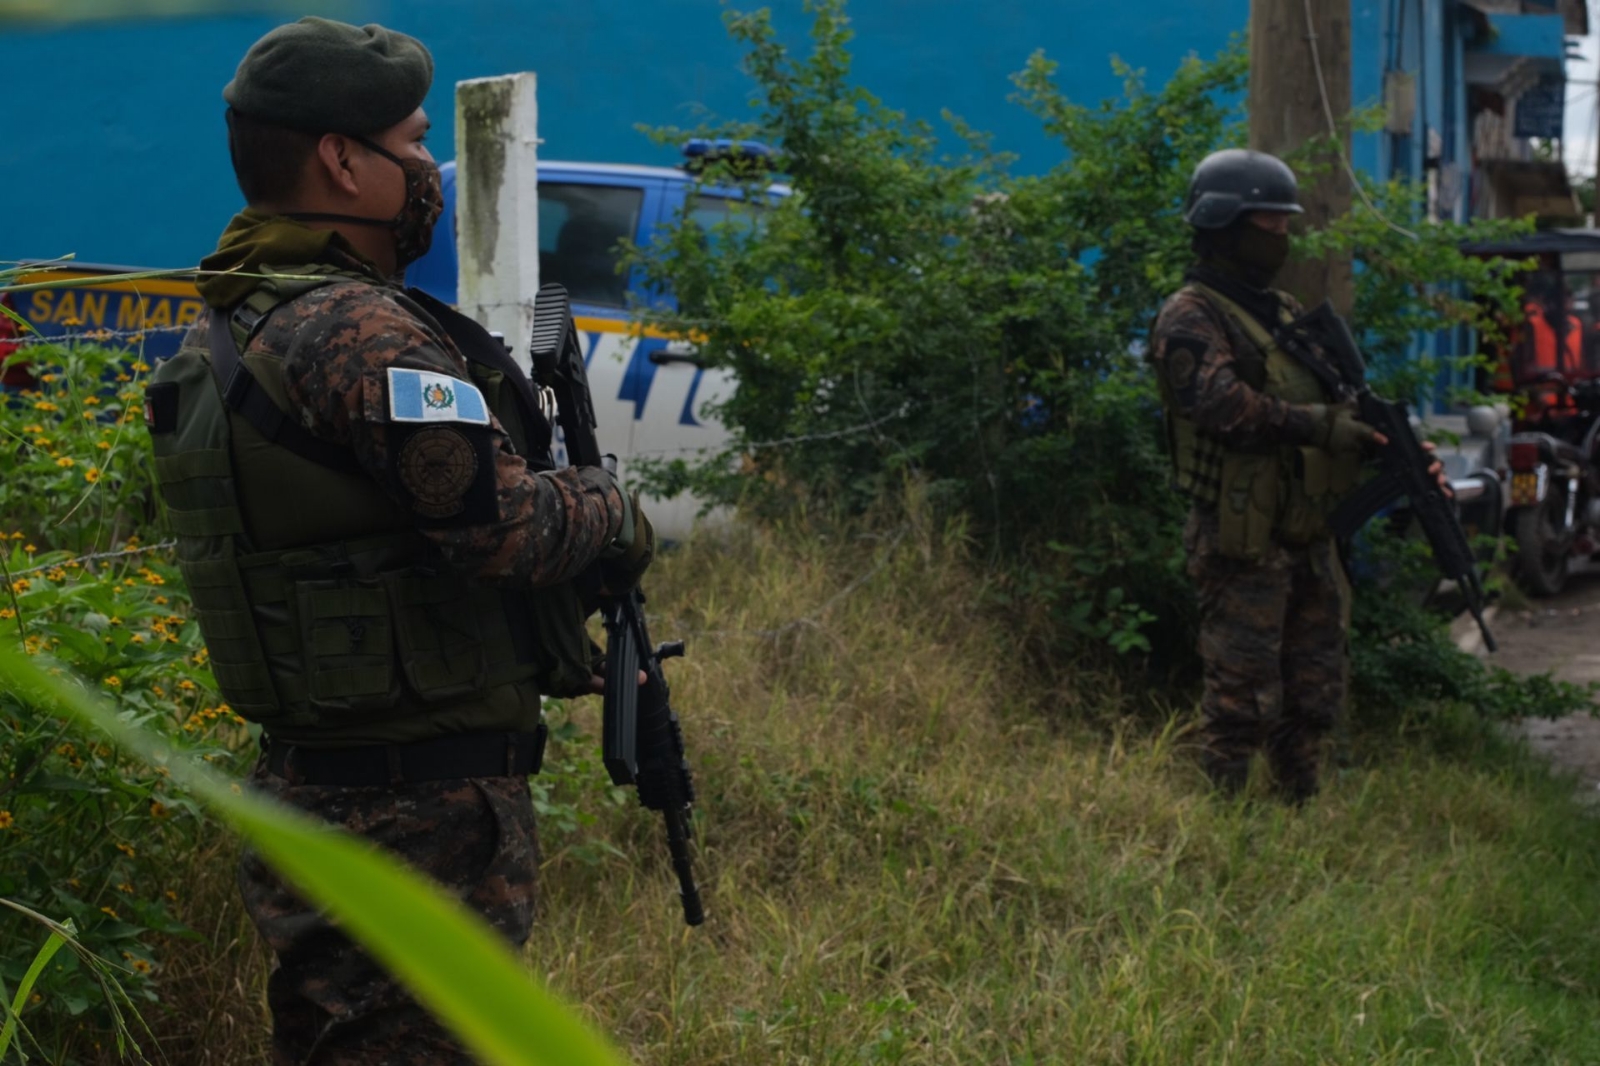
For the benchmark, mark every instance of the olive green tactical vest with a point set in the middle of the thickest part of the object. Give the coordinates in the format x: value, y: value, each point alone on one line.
x: 1281, y: 494
x: 329, y: 619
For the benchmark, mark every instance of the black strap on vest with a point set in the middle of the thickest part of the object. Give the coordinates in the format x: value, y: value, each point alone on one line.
x: 455, y: 755
x: 243, y: 394
x: 477, y: 345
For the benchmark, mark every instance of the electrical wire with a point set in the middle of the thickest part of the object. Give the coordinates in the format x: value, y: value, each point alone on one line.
x: 1333, y: 129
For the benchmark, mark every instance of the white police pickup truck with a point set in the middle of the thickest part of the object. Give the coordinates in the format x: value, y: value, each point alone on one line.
x: 650, y: 392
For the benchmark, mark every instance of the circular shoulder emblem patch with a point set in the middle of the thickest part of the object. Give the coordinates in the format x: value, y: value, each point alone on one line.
x: 438, y: 468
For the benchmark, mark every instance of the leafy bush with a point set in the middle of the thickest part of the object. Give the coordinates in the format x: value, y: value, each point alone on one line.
x: 906, y: 314
x: 85, y: 834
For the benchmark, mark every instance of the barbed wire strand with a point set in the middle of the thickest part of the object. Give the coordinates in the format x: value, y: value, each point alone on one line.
x: 93, y: 557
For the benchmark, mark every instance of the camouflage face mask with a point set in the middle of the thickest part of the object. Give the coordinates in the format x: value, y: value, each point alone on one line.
x: 413, y: 226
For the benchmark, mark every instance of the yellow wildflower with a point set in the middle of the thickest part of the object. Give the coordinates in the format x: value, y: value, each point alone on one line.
x: 66, y: 749
x: 123, y: 377
x: 159, y: 691
x: 158, y: 809
x: 21, y: 584
x: 7, y: 613
x: 108, y: 910
x: 141, y: 366
x: 162, y: 600
x: 140, y: 966
x: 48, y: 378
x: 186, y: 685
x: 137, y: 638
x: 125, y: 887
x: 33, y: 429
x: 66, y: 460
x: 173, y: 896
x: 6, y: 820
x: 45, y: 405
x: 127, y: 849
x: 103, y: 445
x: 115, y: 620
x: 114, y: 681
x: 91, y: 401
x: 92, y: 474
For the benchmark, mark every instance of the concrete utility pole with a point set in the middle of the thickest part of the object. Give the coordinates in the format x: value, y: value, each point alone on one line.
x: 1290, y: 105
x: 497, y: 205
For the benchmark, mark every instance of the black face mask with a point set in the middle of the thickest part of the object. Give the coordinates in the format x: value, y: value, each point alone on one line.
x: 413, y: 226
x: 1260, y: 254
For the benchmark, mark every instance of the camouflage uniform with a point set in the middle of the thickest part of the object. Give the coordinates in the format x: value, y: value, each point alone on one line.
x: 331, y: 1004
x: 1273, y: 627
x: 513, y: 522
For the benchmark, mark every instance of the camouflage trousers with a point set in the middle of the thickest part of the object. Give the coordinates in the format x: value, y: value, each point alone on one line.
x: 1273, y: 641
x: 331, y: 1004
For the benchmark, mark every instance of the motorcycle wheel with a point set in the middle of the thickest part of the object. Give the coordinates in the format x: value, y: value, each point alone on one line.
x: 1542, y: 549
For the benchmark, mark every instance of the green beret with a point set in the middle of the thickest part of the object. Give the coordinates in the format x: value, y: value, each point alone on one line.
x: 323, y: 76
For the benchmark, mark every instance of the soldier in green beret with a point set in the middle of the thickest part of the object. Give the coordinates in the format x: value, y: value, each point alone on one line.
x: 387, y: 568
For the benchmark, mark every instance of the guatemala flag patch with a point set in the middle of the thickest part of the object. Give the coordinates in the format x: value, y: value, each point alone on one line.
x: 423, y: 396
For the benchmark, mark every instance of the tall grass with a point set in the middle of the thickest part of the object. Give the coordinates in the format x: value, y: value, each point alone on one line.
x: 915, y: 856
x: 915, y: 852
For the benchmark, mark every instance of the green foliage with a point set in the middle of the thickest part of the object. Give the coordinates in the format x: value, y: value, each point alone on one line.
x: 450, y: 958
x: 912, y: 314
x: 1413, y: 281
x: 86, y: 835
x: 1405, y: 664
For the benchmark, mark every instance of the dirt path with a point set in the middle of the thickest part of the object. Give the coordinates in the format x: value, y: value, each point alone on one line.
x: 1561, y: 635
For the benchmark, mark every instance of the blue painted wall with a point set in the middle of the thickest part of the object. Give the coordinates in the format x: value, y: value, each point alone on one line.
x: 116, y: 148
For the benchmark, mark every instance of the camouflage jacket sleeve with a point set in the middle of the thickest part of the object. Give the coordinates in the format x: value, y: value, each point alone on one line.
x: 339, y: 343
x: 1194, y: 352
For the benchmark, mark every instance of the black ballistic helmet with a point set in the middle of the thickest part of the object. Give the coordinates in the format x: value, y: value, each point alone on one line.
x: 1228, y: 183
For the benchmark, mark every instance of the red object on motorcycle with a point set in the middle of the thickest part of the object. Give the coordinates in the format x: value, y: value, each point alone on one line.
x: 1524, y: 455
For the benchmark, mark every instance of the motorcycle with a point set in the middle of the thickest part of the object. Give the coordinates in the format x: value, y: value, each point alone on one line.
x: 1554, y: 474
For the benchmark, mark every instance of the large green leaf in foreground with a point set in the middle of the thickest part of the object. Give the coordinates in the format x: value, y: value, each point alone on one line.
x: 450, y: 959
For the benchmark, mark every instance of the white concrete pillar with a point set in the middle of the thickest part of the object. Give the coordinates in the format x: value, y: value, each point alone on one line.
x: 497, y: 204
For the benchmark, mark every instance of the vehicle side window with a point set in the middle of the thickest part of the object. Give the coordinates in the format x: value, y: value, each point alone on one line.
x: 709, y: 212
x: 580, y: 227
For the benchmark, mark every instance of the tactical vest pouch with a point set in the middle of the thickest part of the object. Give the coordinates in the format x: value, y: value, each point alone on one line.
x: 348, y: 643
x: 441, y: 642
x: 1317, y: 483
x: 1247, y: 508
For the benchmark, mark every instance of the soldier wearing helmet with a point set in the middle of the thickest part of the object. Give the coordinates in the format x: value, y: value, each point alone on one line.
x: 1263, y: 455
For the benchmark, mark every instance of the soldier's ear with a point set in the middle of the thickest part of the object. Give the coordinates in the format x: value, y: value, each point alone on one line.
x: 333, y: 163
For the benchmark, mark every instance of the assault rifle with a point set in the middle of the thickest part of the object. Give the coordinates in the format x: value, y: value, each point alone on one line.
x: 1405, y: 461
x: 641, y: 742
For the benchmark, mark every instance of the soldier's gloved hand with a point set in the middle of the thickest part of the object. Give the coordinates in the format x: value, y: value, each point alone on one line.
x: 1343, y: 432
x: 631, y: 551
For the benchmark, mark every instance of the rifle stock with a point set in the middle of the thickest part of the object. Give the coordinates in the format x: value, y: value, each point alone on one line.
x: 1405, y: 461
x: 641, y: 739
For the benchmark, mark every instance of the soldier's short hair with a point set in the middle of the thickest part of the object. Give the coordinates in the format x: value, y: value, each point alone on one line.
x: 269, y: 161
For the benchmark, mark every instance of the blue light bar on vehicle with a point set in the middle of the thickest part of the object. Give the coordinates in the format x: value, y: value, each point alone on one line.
x: 700, y: 151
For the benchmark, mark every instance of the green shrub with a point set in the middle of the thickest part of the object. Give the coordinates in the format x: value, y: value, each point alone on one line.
x: 86, y: 835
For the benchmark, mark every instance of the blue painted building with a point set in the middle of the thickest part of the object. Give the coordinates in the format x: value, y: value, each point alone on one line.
x: 116, y: 148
